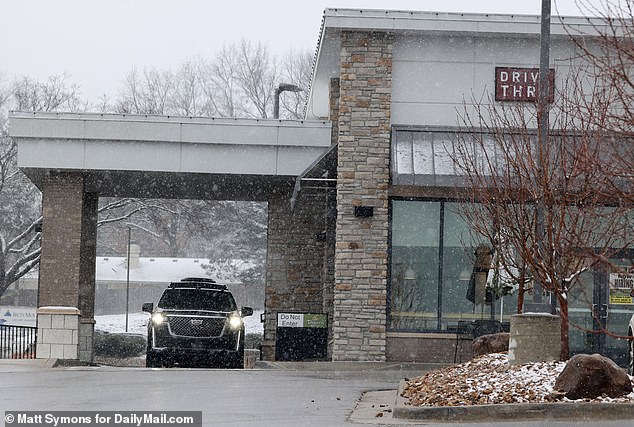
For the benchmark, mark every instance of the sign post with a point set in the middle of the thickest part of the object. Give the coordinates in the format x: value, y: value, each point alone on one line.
x: 301, y: 336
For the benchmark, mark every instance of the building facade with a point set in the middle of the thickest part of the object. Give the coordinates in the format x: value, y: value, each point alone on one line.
x: 364, y: 197
x: 396, y: 258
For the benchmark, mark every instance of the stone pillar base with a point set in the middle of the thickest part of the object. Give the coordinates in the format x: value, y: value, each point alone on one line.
x: 86, y: 333
x: 57, y: 333
x: 535, y: 337
x: 268, y: 352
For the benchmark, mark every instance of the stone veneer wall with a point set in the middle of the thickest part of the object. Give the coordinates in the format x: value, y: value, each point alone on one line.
x: 67, y: 268
x: 294, y: 262
x: 328, y: 280
x: 62, y: 212
x: 57, y: 333
x: 360, y: 298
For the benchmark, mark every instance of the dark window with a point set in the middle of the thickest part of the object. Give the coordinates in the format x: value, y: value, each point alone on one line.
x: 197, y: 299
x: 432, y: 260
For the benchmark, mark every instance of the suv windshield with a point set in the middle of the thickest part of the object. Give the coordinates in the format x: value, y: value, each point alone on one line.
x: 197, y: 299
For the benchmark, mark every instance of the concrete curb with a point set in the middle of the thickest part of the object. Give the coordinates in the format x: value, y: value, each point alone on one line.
x: 349, y: 366
x: 68, y: 363
x: 513, y: 411
x: 251, y: 357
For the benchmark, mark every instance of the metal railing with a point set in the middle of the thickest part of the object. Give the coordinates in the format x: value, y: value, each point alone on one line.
x: 17, y: 342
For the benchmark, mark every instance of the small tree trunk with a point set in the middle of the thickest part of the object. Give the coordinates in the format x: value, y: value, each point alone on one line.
x: 3, y: 274
x: 520, y: 297
x: 563, y: 313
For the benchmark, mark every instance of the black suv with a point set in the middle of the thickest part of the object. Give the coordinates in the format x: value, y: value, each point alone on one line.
x: 196, y: 323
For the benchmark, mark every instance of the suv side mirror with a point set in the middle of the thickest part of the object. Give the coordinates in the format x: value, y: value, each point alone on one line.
x: 148, y: 307
x: 246, y: 311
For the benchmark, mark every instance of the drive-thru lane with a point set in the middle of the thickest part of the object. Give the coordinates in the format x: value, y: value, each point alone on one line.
x: 258, y: 397
x: 317, y: 394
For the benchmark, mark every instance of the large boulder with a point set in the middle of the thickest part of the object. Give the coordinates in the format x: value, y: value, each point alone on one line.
x: 491, y: 343
x: 588, y: 376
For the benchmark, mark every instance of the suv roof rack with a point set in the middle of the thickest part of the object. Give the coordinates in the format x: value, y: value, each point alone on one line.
x: 198, y: 279
x: 198, y: 283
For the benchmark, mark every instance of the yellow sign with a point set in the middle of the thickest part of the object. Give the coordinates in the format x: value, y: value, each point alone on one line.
x: 620, y: 300
x: 622, y: 285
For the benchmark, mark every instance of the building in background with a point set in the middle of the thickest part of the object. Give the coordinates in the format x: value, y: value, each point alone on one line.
x: 148, y: 278
x: 363, y: 195
x: 396, y: 256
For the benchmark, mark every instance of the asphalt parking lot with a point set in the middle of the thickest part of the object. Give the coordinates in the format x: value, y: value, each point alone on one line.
x: 302, y: 394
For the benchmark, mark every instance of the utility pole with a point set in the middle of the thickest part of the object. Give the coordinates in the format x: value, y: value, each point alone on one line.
x: 543, y: 124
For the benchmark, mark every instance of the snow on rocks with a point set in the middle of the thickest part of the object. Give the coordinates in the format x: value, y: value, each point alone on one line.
x: 490, y: 379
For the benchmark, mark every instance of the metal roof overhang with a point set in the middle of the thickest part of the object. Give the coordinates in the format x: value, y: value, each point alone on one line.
x: 320, y: 175
x: 166, y: 156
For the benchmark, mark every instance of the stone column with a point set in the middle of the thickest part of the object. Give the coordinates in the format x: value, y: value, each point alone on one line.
x: 360, y: 298
x: 67, y: 268
x: 88, y: 267
x: 331, y: 222
x: 294, y: 262
x: 535, y: 337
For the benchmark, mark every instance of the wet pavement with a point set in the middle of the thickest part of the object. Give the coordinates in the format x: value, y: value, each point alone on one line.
x: 272, y: 394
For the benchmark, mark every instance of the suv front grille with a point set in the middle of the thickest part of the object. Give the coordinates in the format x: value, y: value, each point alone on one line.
x: 198, y: 327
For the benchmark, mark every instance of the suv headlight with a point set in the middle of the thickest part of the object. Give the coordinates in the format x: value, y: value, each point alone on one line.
x: 235, y: 321
x: 158, y: 318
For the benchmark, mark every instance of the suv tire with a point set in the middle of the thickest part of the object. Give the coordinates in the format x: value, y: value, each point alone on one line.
x: 152, y: 360
x: 236, y: 361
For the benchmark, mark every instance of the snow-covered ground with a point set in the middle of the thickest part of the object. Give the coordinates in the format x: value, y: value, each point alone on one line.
x: 137, y: 323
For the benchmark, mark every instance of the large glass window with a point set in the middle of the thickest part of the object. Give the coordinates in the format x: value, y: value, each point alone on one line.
x: 433, y: 261
x: 415, y: 263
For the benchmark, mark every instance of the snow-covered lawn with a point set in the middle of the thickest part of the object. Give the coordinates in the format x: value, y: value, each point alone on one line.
x: 490, y: 379
x: 137, y: 323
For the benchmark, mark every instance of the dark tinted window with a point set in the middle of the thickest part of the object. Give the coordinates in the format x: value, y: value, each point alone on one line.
x: 197, y: 299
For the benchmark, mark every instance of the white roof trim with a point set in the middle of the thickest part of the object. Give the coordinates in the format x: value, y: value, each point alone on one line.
x: 408, y: 21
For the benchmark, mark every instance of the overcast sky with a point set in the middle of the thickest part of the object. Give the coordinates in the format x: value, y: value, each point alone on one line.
x: 98, y: 41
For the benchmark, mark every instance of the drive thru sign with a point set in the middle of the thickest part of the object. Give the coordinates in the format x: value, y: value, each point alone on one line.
x: 521, y: 84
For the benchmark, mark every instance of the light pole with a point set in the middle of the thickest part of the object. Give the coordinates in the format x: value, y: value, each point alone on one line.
x: 127, y: 283
x: 542, y: 105
x: 283, y: 87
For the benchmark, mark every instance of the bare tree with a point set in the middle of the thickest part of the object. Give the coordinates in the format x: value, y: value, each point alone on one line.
x: 219, y: 83
x: 148, y: 93
x: 238, y: 81
x: 53, y: 94
x: 609, y: 103
x: 555, y: 208
x: 219, y: 230
x: 187, y: 98
x: 296, y: 69
x: 19, y: 199
x: 256, y: 74
x: 545, y: 207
